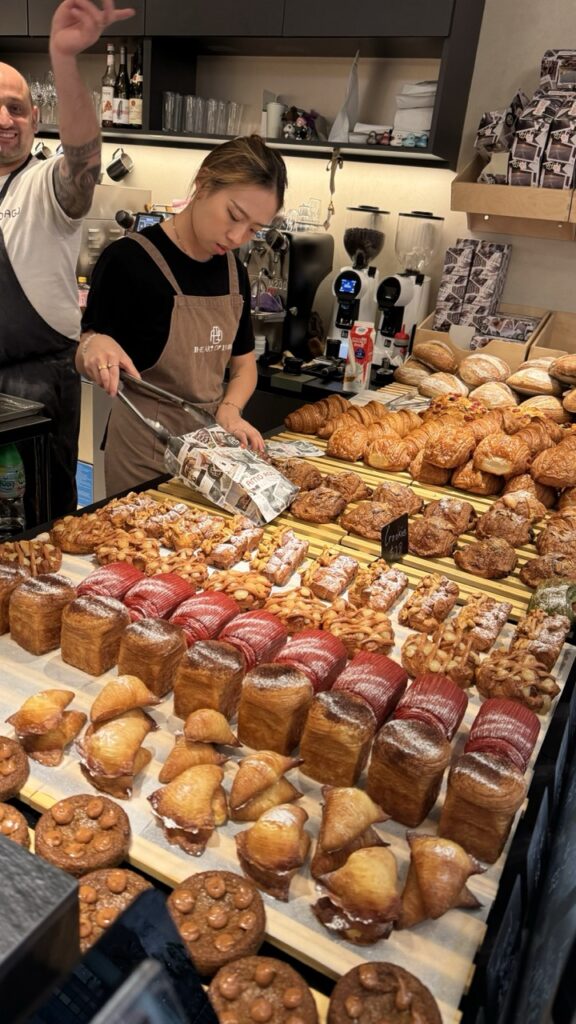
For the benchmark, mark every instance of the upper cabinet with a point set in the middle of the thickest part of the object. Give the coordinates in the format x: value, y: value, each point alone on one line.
x: 40, y: 15
x: 13, y: 18
x: 225, y: 18
x: 368, y: 18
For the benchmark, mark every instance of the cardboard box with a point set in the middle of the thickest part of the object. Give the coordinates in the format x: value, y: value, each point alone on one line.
x: 556, y: 337
x: 557, y: 174
x: 513, y: 352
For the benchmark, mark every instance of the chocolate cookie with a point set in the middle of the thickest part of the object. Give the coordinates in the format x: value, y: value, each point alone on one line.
x: 82, y: 833
x: 14, y: 826
x: 14, y: 767
x: 260, y: 988
x: 381, y: 992
x: 103, y: 895
x: 220, y: 917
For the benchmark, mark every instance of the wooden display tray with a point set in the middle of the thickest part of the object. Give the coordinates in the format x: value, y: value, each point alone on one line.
x: 512, y: 352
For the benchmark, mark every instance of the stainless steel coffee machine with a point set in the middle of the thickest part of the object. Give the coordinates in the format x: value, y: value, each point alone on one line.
x: 285, y: 269
x: 100, y: 227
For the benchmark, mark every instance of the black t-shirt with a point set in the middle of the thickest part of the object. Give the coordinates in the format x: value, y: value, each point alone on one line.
x: 131, y: 300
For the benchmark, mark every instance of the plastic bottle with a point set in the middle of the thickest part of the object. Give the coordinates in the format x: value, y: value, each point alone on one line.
x: 12, y: 487
x: 83, y: 289
x: 400, y: 346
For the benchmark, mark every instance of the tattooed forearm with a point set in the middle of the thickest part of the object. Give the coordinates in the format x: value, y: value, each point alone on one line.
x: 75, y: 176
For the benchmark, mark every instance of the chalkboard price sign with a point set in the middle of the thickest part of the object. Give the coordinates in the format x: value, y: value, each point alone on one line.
x: 394, y: 538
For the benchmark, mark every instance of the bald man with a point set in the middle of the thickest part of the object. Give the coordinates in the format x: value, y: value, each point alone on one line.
x: 42, y: 203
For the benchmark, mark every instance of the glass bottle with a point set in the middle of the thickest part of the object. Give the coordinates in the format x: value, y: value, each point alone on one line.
x: 121, y: 92
x: 136, y: 92
x: 107, y: 90
x: 12, y: 487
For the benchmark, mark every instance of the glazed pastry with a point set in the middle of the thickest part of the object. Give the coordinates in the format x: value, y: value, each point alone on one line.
x: 272, y: 850
x: 451, y: 447
x: 158, y: 597
x: 425, y: 473
x: 483, y: 795
x: 330, y: 574
x: 522, y: 503
x: 361, y: 901
x: 399, y: 497
x: 113, y: 580
x: 274, y: 702
x: 506, y: 524
x: 48, y: 748
x: 505, y: 728
x: 81, y: 535
x: 14, y: 767
x: 191, y: 807
x: 434, y: 699
x: 458, y: 515
x: 13, y: 825
x: 188, y: 754
x: 258, y: 986
x: 559, y: 538
x: 429, y: 604
x: 249, y: 589
x: 525, y: 482
x: 376, y: 679
x: 220, y: 917
x: 41, y: 712
x: 468, y: 478
x: 536, y: 570
x: 296, y: 609
x: 493, y: 559
x: 316, y: 653
x: 110, y: 748
x: 91, y: 631
x: 119, y: 695
x: 436, y: 880
x: 519, y: 676
x: 431, y: 538
x: 321, y: 505
x: 131, y: 546
x: 380, y: 991
x: 82, y: 833
x: 151, y: 649
x: 35, y: 611
x: 304, y: 474
x: 409, y: 758
x: 502, y: 455
x: 206, y: 725
x: 279, y: 556
x: 337, y: 736
x: 541, y: 635
x: 259, y: 785
x: 348, y: 815
x: 359, y: 629
x: 102, y: 896
x: 348, y: 443
x: 449, y: 651
x: 10, y: 578
x: 387, y: 452
x: 367, y: 519
x: 39, y: 556
x: 203, y: 616
x: 188, y: 564
x: 377, y: 587
x: 482, y: 618
x: 209, y: 675
x: 258, y: 636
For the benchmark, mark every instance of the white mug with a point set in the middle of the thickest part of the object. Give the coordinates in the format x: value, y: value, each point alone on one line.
x: 274, y: 113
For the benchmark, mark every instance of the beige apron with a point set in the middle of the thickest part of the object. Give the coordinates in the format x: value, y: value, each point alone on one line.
x: 192, y: 366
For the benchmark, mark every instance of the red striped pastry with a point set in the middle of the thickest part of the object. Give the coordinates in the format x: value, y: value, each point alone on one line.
x: 435, y: 699
x: 318, y: 654
x: 377, y: 679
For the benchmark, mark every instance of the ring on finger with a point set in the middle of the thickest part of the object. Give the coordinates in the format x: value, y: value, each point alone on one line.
x: 103, y: 366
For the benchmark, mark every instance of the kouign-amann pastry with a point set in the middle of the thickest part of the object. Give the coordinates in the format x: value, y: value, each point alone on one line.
x: 436, y: 880
x: 507, y: 524
x: 377, y: 587
x: 259, y: 986
x: 506, y: 728
x: 318, y: 506
x: 502, y: 455
x: 337, y: 736
x: 361, y: 902
x: 92, y: 627
x: 274, y: 702
x: 272, y: 850
x: 359, y: 629
x: 249, y: 589
x: 317, y: 653
x: 380, y: 991
x: 536, y: 570
x: 409, y: 758
x: 448, y: 651
x: 112, y: 580
x: 191, y: 807
x: 102, y: 896
x: 541, y: 635
x: 493, y: 559
x: 434, y: 699
x: 38, y: 556
x: 119, y: 695
x: 483, y: 795
x: 35, y: 611
x: 330, y: 574
x: 10, y: 578
x: 220, y: 917
x: 259, y: 785
x: 459, y: 515
x: 482, y: 618
x: 378, y: 680
x: 13, y: 825
x: 467, y: 478
x: 209, y: 676
x: 151, y: 650
x: 304, y: 474
x: 520, y: 676
x: 429, y: 604
x: 431, y: 538
x: 82, y: 833
x: 399, y: 497
x: 279, y: 556
x: 14, y: 767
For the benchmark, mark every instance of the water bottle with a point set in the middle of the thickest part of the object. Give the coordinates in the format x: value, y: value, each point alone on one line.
x: 12, y: 487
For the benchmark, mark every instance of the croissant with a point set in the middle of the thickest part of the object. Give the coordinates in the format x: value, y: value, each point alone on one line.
x: 274, y: 848
x: 502, y: 455
x: 41, y: 712
x: 305, y: 420
x: 187, y: 754
x: 362, y: 901
x: 206, y: 725
x: 347, y: 818
x: 48, y: 748
x: 192, y: 806
x: 348, y: 443
x: 436, y: 881
x: 525, y: 482
x: 555, y: 467
x: 120, y: 695
x: 110, y: 748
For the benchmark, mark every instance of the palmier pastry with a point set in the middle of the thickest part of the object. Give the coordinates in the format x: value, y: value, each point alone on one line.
x: 191, y: 807
x: 330, y: 574
x: 458, y: 515
x: 35, y: 611
x: 348, y: 815
x: 377, y: 587
x: 359, y: 629
x: 555, y: 467
x: 361, y: 901
x: 151, y: 650
x: 80, y: 535
x: 258, y: 986
x: 519, y: 676
x: 348, y: 443
x: 389, y: 453
x: 91, y: 631
x: 452, y: 447
x: 14, y: 767
x: 399, y: 497
x: 502, y: 455
x: 82, y: 833
x: 337, y: 736
x: 249, y: 589
x: 278, y: 556
x: 272, y: 850
x: 38, y: 556
x: 274, y: 702
x: 102, y: 896
x: 13, y: 825
x: 536, y: 570
x: 522, y: 503
x: 10, y: 578
x: 297, y: 609
x: 492, y: 559
x: 449, y: 651
x: 209, y: 675
x: 425, y: 473
x: 482, y: 618
x: 406, y: 768
x: 525, y: 482
x: 380, y: 991
x: 220, y: 916
x: 304, y: 474
x: 541, y: 635
x: 467, y: 478
x: 431, y: 538
x: 503, y: 522
x: 429, y: 604
x: 321, y: 505
x: 559, y: 538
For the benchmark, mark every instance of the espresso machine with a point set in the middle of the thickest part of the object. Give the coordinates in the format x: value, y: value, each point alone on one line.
x: 285, y: 269
x: 403, y: 299
x: 354, y: 287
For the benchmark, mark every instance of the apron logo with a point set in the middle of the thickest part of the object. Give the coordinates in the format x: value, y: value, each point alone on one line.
x: 216, y: 335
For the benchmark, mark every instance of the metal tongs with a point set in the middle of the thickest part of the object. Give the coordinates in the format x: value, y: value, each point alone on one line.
x: 172, y: 441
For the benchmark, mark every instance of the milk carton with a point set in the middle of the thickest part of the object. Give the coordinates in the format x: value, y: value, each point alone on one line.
x: 359, y: 358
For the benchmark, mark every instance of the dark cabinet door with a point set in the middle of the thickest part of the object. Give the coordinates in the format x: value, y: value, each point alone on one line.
x: 40, y: 15
x: 13, y: 18
x: 368, y: 18
x: 225, y: 18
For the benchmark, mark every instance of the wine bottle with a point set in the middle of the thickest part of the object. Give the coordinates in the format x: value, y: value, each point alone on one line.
x: 121, y: 87
x: 136, y: 92
x: 107, y: 90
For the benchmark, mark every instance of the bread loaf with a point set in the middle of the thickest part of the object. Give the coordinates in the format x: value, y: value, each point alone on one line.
x: 436, y: 354
x: 442, y: 384
x: 533, y: 380
x: 494, y: 395
x: 564, y: 369
x: 482, y: 368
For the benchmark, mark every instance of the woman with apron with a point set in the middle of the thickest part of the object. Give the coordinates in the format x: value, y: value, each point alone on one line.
x: 172, y: 305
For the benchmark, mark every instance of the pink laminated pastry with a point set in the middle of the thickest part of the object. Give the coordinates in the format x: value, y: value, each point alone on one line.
x: 506, y: 728
x: 259, y: 635
x: 112, y: 580
x: 435, y: 699
x: 156, y: 597
x: 204, y: 615
x: 318, y: 654
x: 379, y: 680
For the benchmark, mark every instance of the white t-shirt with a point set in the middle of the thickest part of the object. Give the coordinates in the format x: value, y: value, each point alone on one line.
x: 43, y: 244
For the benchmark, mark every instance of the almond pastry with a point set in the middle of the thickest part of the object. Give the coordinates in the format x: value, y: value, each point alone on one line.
x: 536, y: 570
x: 188, y: 564
x: 337, y: 737
x: 504, y: 523
x: 431, y: 538
x: 525, y: 482
x: 350, y: 484
x: 377, y: 587
x: 330, y: 574
x: 367, y: 518
x: 522, y: 503
x: 80, y: 535
x: 449, y: 651
x: 297, y: 609
x: 249, y: 589
x: 482, y: 619
x: 398, y: 497
x: 519, y: 676
x: 406, y: 769
x: 459, y: 515
x: 482, y: 368
x: 128, y: 546
x: 541, y: 635
x: 38, y: 556
x: 359, y: 629
x: 361, y: 902
x: 272, y: 850
x: 305, y: 475
x: 559, y: 538
x: 492, y: 559
x: 189, y: 533
x: 436, y: 880
x: 429, y: 604
x: 318, y: 506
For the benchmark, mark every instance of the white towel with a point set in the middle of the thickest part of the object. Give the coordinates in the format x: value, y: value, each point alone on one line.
x: 416, y: 94
x: 364, y: 129
x: 419, y: 119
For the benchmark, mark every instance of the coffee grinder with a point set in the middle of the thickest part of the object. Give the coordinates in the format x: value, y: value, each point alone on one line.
x: 403, y: 298
x: 354, y: 287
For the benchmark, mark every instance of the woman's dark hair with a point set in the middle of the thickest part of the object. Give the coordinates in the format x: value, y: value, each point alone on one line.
x: 246, y: 160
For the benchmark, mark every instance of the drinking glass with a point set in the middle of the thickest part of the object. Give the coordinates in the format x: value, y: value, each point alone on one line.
x: 199, y: 116
x: 171, y: 111
x: 234, y: 118
x: 221, y: 118
x: 211, y: 116
x: 189, y: 114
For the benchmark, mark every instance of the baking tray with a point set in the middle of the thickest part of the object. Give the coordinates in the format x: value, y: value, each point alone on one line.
x: 13, y: 408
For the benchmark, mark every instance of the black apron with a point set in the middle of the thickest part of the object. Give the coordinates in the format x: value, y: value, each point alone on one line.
x: 37, y: 362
